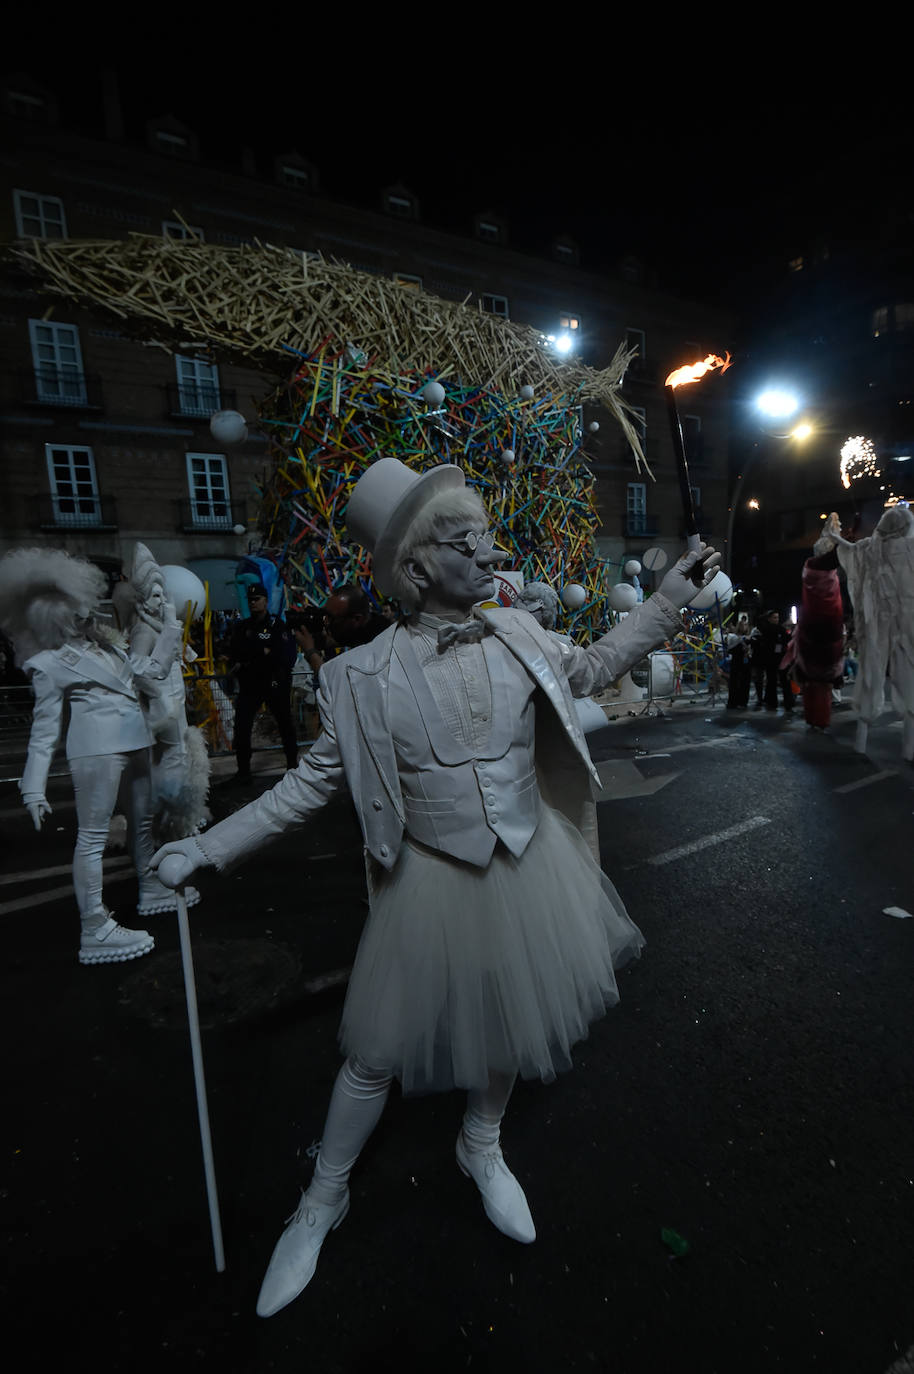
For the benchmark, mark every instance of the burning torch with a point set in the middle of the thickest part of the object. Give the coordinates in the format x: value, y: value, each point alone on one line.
x: 682, y: 376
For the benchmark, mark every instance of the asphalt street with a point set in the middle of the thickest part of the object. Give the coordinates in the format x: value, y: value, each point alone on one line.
x: 749, y: 1102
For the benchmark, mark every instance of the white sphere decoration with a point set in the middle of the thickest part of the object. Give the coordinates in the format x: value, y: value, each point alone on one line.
x: 239, y: 529
x: 182, y: 586
x: 526, y: 393
x: 228, y: 427
x: 594, y: 426
x: 720, y: 587
x: 622, y: 597
x: 632, y: 568
x: 433, y: 393
x: 654, y: 559
x: 573, y: 596
x: 171, y: 870
x: 506, y: 456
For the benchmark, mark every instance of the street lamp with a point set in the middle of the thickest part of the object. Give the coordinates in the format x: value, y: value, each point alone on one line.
x: 776, y: 403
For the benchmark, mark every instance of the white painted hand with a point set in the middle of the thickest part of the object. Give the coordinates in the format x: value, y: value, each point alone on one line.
x: 38, y: 809
x: 184, y: 857
x: 693, y: 571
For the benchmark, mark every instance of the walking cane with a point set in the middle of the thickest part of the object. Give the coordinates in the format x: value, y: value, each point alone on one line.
x: 168, y: 864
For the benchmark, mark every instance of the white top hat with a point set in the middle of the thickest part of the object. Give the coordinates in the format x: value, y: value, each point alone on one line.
x: 384, y: 502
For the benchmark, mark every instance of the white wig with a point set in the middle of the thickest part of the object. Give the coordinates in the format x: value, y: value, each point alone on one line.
x: 462, y: 503
x: 541, y: 601
x: 45, y: 596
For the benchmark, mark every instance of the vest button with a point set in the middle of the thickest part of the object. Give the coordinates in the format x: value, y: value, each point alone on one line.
x: 376, y: 804
x: 490, y: 800
x: 383, y: 851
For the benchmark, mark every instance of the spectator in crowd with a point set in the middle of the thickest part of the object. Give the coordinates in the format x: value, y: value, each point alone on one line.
x: 262, y: 652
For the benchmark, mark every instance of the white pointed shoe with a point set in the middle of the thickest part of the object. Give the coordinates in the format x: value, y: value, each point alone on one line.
x: 502, y: 1196
x: 294, y: 1259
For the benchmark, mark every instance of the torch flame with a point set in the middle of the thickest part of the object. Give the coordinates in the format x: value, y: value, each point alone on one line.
x: 693, y: 372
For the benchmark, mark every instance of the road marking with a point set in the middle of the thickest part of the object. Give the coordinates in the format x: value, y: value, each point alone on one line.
x: 53, y: 894
x: 621, y: 778
x: 719, y: 837
x: 32, y: 875
x: 12, y: 811
x: 865, y: 782
x: 697, y: 744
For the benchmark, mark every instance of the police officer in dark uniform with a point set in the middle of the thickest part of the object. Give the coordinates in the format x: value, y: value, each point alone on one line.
x: 262, y: 653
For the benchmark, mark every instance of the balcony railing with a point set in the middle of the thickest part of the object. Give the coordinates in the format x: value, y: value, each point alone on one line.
x: 641, y: 526
x: 210, y: 517
x: 198, y: 402
x: 74, y: 513
x: 61, y: 388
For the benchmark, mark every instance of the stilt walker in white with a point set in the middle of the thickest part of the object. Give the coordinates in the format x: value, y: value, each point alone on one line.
x: 880, y: 581
x: 493, y: 935
x: 48, y: 601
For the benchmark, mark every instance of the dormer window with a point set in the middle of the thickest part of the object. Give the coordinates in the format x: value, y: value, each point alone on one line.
x: 171, y: 142
x: 295, y: 177
x: 30, y: 105
x: 566, y: 250
x: 399, y: 201
x: 168, y: 136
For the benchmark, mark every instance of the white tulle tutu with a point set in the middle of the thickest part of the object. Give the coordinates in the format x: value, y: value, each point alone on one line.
x: 462, y: 970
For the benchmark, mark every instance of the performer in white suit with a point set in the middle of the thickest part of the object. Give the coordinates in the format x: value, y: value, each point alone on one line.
x: 47, y: 605
x: 493, y: 934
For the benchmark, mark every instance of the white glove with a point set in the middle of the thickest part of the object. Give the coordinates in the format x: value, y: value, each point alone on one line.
x: 38, y: 808
x: 188, y: 856
x: 679, y: 585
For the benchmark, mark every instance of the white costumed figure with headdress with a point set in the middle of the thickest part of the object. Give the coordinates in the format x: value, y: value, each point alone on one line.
x: 48, y: 601
x: 880, y: 581
x: 180, y: 762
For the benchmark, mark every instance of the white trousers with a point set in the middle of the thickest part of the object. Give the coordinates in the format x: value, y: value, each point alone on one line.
x: 99, y: 781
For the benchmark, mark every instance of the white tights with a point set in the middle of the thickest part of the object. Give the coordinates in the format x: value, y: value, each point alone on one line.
x: 356, y: 1104
x: 98, y: 781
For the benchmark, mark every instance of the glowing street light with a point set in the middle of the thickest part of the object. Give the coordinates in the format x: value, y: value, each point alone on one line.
x: 562, y: 343
x: 777, y: 403
x: 801, y: 432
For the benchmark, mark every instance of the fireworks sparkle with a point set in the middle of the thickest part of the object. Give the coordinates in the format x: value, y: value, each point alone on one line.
x: 858, y: 459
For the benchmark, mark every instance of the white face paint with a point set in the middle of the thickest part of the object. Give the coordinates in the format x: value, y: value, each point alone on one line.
x: 461, y: 576
x: 156, y: 599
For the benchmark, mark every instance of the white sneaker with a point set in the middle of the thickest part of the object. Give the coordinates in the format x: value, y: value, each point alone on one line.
x: 294, y: 1259
x: 156, y: 898
x: 110, y: 943
x: 502, y: 1196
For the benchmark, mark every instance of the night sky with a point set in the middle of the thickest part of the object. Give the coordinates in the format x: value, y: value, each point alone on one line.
x: 778, y: 147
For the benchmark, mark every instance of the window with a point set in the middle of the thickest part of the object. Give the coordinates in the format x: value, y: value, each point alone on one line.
x: 567, y: 321
x: 494, y: 305
x: 904, y: 316
x: 198, y: 386
x: 207, y: 481
x: 639, y: 420
x: 636, y: 507
x: 634, y: 338
x: 39, y: 217
x: 691, y: 438
x: 26, y: 105
x: 880, y: 321
x: 409, y: 280
x: 566, y: 251
x: 169, y: 142
x: 59, y: 377
x: 488, y: 231
x: 399, y: 205
x: 174, y: 229
x: 295, y: 177
x: 74, y: 490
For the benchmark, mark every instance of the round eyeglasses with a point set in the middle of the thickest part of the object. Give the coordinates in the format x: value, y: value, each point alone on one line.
x: 471, y: 541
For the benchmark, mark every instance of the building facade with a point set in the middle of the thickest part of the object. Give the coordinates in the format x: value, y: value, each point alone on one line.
x: 106, y: 436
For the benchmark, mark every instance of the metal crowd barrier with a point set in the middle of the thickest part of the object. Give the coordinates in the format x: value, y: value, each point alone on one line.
x: 663, y: 676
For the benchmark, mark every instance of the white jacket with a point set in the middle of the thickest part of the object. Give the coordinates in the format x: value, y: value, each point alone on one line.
x: 100, y: 687
x: 356, y: 747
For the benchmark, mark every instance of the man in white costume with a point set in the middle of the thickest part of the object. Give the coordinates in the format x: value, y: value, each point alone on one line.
x: 48, y: 601
x: 493, y: 935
